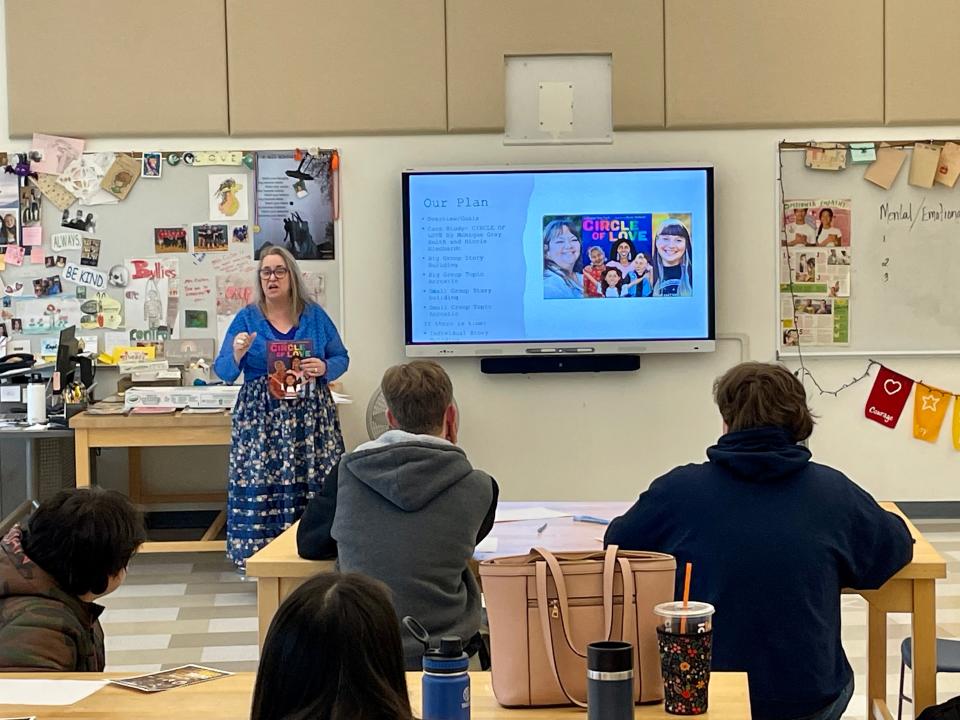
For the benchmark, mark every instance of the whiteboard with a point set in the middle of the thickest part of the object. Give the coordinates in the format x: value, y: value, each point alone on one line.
x: 905, y: 243
x: 179, y: 198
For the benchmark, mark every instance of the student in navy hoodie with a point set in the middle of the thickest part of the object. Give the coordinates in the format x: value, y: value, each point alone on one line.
x: 773, y: 538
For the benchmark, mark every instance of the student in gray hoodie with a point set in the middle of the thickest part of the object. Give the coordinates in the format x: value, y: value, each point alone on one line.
x: 409, y: 509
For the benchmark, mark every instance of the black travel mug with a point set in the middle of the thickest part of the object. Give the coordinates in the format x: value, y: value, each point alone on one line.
x: 610, y: 681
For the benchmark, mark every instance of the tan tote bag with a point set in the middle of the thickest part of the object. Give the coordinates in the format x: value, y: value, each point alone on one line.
x: 544, y: 610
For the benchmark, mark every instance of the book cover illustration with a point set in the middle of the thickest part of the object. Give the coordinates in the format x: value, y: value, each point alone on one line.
x: 286, y: 379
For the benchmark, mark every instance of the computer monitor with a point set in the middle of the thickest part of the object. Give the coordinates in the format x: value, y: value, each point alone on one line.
x: 68, y: 351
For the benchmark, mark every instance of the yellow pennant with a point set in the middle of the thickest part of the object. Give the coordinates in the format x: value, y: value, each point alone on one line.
x: 956, y: 425
x: 929, y: 408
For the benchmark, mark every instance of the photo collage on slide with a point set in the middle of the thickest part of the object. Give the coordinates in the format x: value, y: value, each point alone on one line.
x: 617, y: 256
x: 815, y: 265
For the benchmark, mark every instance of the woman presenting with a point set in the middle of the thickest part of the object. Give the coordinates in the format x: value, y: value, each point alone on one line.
x: 281, y: 450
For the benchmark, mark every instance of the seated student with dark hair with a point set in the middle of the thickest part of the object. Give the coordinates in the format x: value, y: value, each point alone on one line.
x: 409, y: 509
x: 333, y: 651
x: 773, y: 539
x: 74, y: 549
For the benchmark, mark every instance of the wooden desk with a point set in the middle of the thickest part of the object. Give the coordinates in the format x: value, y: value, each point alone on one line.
x: 911, y: 590
x: 137, y: 431
x: 279, y: 571
x: 230, y: 697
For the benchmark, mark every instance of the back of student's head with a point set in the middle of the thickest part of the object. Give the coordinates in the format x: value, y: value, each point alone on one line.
x: 333, y: 652
x: 83, y: 538
x: 418, y: 394
x: 755, y: 394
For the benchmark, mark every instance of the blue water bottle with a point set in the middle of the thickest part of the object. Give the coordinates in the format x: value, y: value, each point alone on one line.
x: 446, y: 684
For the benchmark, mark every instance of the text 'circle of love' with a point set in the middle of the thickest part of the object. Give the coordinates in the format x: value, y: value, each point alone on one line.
x: 892, y: 387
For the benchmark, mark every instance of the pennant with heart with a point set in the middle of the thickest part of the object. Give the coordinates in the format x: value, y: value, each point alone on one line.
x: 888, y: 397
x: 929, y: 407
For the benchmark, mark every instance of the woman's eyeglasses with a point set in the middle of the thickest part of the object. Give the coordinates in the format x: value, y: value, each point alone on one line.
x: 277, y: 272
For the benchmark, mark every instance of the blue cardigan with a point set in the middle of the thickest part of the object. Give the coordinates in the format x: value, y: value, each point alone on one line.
x: 314, y: 325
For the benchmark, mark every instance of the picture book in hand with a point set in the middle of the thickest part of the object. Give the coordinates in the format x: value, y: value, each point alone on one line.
x: 286, y: 379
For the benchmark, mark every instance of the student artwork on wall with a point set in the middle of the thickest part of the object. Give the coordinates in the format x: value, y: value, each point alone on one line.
x: 48, y: 315
x: 234, y: 292
x: 53, y: 191
x: 56, y: 153
x: 295, y: 204
x: 101, y: 311
x: 228, y: 197
x: 83, y: 176
x: 153, y: 283
x: 121, y: 176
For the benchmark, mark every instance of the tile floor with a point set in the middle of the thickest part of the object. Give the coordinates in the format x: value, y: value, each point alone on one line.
x: 193, y: 608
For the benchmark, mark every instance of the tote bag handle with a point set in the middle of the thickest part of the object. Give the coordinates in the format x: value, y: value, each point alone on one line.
x: 629, y: 613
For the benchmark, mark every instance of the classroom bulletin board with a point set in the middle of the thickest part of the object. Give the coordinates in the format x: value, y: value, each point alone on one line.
x: 160, y: 245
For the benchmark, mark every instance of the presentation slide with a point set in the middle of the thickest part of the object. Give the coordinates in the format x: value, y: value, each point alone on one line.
x: 563, y: 256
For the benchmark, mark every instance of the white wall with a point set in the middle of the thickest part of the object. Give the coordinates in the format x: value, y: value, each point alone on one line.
x: 594, y: 436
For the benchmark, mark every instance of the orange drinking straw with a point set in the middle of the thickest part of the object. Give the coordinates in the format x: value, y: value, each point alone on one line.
x: 686, y: 597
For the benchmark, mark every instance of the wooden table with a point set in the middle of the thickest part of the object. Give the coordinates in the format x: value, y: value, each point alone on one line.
x: 138, y: 431
x: 279, y: 571
x: 230, y: 697
x: 911, y: 590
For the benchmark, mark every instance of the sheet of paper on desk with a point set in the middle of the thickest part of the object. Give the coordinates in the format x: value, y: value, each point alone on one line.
x: 47, y: 692
x: 531, y: 513
x: 488, y: 544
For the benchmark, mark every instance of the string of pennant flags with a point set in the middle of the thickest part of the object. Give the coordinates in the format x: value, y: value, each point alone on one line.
x: 889, y: 396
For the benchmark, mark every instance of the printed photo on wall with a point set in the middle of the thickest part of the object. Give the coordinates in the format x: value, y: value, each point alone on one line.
x: 241, y: 233
x: 45, y: 287
x: 82, y: 221
x: 210, y: 238
x: 29, y: 205
x: 9, y: 227
x: 151, y: 165
x: 90, y: 253
x: 299, y: 218
x: 168, y: 240
x: 817, y: 222
x: 228, y: 197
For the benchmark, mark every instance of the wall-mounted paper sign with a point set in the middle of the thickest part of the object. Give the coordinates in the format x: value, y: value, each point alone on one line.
x: 66, y: 241
x: 87, y: 276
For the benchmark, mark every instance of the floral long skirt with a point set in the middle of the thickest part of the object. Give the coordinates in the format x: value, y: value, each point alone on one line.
x: 280, y: 454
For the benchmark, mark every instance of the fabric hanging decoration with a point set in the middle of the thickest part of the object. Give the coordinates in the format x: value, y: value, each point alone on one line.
x: 888, y: 397
x: 929, y: 408
x: 956, y: 426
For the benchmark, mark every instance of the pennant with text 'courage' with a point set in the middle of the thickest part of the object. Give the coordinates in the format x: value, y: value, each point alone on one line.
x: 929, y: 407
x: 887, y: 398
